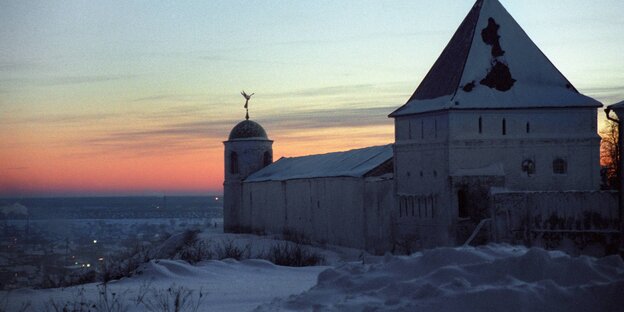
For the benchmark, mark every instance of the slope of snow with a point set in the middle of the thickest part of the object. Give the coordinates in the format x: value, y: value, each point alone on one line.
x: 492, y: 278
x: 488, y: 278
x: 227, y: 285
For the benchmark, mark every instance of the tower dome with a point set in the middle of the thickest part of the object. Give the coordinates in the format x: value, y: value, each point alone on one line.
x: 247, y: 129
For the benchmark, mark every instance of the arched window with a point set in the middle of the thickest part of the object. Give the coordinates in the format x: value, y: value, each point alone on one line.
x: 560, y: 166
x: 233, y: 163
x: 504, y: 126
x: 268, y: 159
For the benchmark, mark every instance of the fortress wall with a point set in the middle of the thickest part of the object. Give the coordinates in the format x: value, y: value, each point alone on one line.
x: 553, y: 218
x: 343, y: 211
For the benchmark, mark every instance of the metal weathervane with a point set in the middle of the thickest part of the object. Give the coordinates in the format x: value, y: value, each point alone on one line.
x: 247, y: 97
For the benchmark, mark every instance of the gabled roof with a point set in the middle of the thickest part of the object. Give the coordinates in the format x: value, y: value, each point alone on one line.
x: 353, y: 163
x: 490, y: 62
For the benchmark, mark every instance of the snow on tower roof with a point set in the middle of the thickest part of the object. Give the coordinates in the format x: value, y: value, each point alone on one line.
x: 353, y: 163
x: 490, y: 62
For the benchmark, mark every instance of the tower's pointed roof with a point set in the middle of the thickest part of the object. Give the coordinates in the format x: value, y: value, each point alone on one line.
x: 490, y: 62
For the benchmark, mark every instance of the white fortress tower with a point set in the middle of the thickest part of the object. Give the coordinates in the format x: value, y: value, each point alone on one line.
x: 493, y: 111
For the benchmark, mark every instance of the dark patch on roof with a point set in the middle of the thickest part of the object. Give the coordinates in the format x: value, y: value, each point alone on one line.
x: 498, y: 77
x: 571, y: 87
x: 444, y: 76
x: 490, y: 36
x: 469, y: 86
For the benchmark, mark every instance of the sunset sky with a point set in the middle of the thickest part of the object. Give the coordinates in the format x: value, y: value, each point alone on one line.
x: 136, y: 97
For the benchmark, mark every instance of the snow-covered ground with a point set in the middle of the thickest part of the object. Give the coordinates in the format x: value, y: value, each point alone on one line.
x: 225, y: 285
x: 489, y: 278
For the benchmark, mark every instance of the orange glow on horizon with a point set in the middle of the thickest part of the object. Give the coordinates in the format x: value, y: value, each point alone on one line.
x: 85, y: 169
x: 89, y: 107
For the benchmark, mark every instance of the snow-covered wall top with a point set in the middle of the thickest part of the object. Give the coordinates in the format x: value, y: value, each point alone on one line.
x: 490, y: 62
x: 353, y: 163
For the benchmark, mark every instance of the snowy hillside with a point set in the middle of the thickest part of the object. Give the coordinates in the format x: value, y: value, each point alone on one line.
x: 490, y: 278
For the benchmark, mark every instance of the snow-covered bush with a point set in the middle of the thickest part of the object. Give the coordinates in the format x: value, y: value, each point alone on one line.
x: 230, y: 250
x: 295, y: 255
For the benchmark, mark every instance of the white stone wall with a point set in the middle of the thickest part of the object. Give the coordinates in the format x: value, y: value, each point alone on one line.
x: 250, y: 154
x: 568, y: 134
x: 379, y: 200
x: 251, y: 158
x: 421, y: 173
x: 431, y: 148
x: 344, y: 211
x: 543, y: 123
x: 577, y: 216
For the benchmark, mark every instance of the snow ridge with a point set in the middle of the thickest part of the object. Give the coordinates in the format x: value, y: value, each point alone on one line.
x: 490, y: 278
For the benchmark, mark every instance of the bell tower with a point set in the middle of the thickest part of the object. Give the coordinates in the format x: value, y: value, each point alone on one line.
x: 247, y: 150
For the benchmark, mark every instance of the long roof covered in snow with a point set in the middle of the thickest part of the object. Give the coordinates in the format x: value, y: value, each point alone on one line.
x: 491, y: 63
x: 353, y: 163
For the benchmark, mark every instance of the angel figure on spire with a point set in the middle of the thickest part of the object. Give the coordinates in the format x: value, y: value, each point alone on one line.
x: 247, y: 97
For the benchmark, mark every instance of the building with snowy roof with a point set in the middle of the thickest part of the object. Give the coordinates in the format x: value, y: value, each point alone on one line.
x: 344, y: 198
x: 492, y: 113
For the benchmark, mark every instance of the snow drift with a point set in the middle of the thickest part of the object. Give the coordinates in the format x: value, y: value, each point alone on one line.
x: 491, y: 278
x: 488, y: 278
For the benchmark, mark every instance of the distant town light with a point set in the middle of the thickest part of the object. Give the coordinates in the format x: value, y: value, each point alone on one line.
x: 88, y: 265
x: 101, y: 259
x: 216, y: 198
x: 95, y: 241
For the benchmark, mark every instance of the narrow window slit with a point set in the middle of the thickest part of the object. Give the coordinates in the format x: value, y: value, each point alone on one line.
x: 504, y: 127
